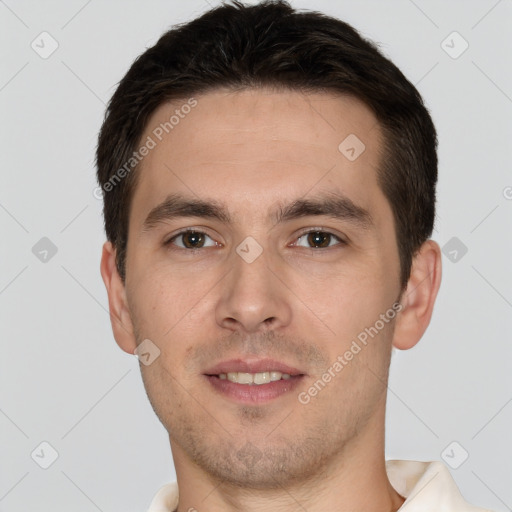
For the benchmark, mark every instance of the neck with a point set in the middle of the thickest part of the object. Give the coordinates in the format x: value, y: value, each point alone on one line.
x: 354, y: 479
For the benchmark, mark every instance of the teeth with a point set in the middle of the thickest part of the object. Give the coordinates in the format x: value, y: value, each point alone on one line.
x: 243, y: 378
x: 275, y: 376
x: 261, y: 378
x: 254, y: 378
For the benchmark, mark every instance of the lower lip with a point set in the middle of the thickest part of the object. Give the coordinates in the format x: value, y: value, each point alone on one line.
x: 254, y: 393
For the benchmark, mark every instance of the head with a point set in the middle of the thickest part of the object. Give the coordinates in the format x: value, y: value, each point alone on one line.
x: 303, y: 165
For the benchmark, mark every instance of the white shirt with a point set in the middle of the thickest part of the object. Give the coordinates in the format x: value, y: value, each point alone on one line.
x: 427, y: 487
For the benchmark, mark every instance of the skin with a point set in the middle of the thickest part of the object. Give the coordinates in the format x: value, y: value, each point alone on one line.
x: 252, y: 151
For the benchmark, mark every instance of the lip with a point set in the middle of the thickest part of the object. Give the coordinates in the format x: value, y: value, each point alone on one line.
x: 252, y: 366
x: 253, y: 394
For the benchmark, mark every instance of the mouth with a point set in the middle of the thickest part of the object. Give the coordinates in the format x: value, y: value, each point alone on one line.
x: 257, y: 379
x: 253, y: 381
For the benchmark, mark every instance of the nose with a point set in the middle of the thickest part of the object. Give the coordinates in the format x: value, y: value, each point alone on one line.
x: 252, y: 297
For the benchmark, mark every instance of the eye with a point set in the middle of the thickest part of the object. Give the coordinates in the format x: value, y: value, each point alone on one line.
x: 191, y: 239
x: 318, y: 239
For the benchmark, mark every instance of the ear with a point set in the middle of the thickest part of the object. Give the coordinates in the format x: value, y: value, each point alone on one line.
x: 119, y: 312
x: 419, y: 296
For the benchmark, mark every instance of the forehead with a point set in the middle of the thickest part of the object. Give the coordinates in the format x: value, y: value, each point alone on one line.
x: 252, y: 147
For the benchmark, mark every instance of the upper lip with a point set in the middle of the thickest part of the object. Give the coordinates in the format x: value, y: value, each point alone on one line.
x: 252, y: 366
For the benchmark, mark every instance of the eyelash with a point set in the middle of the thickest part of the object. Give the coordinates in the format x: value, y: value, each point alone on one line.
x: 325, y: 232
x: 340, y: 241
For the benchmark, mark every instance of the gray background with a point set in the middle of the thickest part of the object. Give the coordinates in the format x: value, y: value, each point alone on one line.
x: 63, y: 378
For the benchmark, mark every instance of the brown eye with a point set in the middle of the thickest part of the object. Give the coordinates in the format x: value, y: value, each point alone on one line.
x: 191, y: 239
x: 318, y: 240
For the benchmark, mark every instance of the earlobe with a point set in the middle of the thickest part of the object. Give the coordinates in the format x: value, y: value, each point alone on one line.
x: 120, y: 318
x: 419, y: 297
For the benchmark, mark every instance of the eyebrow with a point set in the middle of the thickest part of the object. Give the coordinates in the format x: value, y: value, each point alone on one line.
x: 332, y: 205
x: 175, y: 206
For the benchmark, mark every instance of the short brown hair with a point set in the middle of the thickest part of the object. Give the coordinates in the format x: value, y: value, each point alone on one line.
x: 273, y: 45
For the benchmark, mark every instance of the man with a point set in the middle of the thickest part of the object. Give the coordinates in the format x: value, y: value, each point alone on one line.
x: 269, y: 193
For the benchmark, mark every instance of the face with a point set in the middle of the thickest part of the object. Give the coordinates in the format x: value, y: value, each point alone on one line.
x: 260, y: 249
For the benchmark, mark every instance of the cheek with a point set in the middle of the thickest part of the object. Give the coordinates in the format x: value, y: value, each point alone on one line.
x: 173, y: 310
x: 349, y: 307
x: 347, y: 297
x: 161, y: 296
